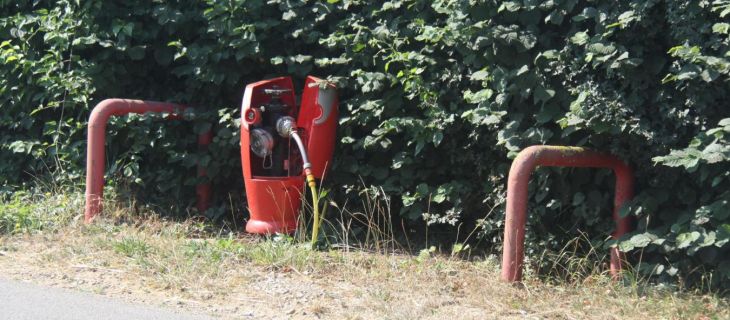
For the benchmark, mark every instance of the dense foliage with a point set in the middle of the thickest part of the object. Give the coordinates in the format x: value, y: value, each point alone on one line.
x: 436, y: 97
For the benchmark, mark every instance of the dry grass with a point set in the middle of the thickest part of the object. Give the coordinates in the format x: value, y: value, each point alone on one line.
x: 231, y: 275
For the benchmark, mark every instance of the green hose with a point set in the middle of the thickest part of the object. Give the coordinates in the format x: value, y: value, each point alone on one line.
x: 315, y: 207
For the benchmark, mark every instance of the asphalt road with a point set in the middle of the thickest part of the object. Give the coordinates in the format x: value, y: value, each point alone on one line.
x: 21, y: 301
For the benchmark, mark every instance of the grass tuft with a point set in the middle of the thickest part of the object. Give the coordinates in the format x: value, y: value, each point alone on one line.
x: 366, y: 275
x: 132, y: 247
x: 28, y: 213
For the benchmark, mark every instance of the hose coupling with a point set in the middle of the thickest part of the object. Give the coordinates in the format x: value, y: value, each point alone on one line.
x: 285, y: 125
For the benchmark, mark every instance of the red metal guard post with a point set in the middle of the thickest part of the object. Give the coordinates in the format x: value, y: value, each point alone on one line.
x: 95, y: 155
x: 556, y: 156
x: 202, y: 190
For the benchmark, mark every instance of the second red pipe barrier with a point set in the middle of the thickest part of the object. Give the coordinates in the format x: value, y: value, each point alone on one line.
x: 556, y: 156
x: 95, y: 154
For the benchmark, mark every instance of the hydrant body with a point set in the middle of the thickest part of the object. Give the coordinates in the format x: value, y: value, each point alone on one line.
x: 271, y: 163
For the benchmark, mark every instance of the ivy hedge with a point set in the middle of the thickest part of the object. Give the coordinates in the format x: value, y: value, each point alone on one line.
x: 437, y: 97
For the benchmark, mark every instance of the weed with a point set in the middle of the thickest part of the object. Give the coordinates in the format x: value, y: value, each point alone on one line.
x: 213, y: 251
x: 579, y: 259
x: 209, y: 265
x: 368, y: 229
x: 26, y: 212
x: 278, y: 253
x: 132, y: 247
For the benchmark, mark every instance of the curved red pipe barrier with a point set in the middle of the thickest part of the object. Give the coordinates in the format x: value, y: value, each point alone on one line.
x: 555, y: 156
x: 202, y: 190
x: 95, y: 155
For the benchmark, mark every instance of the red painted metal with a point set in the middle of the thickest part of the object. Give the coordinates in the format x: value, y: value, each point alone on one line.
x: 274, y: 201
x: 203, y: 190
x: 557, y: 156
x: 318, y: 119
x: 95, y: 155
x: 253, y: 117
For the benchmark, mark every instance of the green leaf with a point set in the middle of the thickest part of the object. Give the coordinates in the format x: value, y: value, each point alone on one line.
x: 437, y: 138
x: 555, y: 17
x: 422, y: 189
x: 687, y: 158
x: 721, y: 28
x: 577, y: 104
x: 578, y: 198
x: 684, y: 240
x: 439, y: 198
x: 588, y: 12
x: 579, y: 38
x: 642, y: 240
x: 419, y: 147
x: 136, y: 52
x: 601, y: 48
x: 543, y: 95
x: 128, y: 29
x: 547, y: 113
x: 511, y: 6
x: 625, y: 246
x: 479, y: 75
x: 479, y: 96
x: 689, y: 71
x: 289, y: 15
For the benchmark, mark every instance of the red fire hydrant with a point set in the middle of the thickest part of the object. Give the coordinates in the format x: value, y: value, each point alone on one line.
x: 282, y: 145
